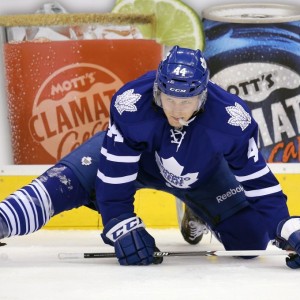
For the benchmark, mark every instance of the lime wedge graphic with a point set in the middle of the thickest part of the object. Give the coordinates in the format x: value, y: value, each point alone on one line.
x: 176, y: 22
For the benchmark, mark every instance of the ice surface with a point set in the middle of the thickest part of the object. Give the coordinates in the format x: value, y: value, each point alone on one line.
x: 30, y: 269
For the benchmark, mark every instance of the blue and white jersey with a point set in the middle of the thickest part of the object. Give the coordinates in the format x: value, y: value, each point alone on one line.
x: 140, y: 140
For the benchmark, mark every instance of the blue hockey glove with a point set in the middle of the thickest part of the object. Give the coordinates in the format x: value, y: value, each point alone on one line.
x: 288, y: 238
x: 133, y: 244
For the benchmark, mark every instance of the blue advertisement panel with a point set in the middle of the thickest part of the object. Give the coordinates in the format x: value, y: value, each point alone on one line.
x: 254, y: 51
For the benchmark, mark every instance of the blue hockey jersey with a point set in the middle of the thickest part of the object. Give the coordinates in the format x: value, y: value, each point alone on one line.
x: 141, y: 143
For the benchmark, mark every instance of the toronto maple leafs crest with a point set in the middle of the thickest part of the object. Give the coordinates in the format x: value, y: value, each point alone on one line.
x: 126, y: 101
x: 239, y: 117
x: 172, y: 171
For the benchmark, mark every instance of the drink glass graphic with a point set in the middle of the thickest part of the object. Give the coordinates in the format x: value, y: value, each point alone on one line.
x: 61, y: 73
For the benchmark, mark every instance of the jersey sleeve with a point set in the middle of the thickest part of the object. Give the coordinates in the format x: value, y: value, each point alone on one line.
x: 261, y: 187
x: 118, y: 169
x: 126, y: 139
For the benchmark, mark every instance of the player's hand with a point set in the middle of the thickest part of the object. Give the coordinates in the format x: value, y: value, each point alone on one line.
x: 133, y: 244
x: 288, y: 238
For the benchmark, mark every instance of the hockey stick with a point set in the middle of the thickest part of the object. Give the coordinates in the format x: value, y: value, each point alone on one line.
x: 194, y: 253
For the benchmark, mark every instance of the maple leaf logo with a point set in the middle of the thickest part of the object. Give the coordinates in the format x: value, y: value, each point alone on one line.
x: 203, y: 63
x: 172, y: 172
x: 126, y: 101
x: 239, y: 117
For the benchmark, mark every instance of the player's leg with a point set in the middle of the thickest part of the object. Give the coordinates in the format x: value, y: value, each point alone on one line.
x: 31, y: 207
x: 215, y: 200
x: 222, y: 203
x: 67, y: 185
x: 245, y: 230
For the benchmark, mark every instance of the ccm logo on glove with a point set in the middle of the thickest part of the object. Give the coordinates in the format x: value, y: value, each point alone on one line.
x: 124, y: 227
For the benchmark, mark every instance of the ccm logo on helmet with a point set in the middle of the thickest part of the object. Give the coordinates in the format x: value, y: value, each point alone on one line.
x: 177, y: 90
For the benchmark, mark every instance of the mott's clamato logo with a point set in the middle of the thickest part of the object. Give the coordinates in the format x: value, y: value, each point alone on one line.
x: 272, y: 93
x: 72, y: 105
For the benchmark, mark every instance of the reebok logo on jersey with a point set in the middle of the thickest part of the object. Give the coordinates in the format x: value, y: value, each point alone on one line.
x: 239, y: 117
x: 229, y: 194
x: 126, y: 101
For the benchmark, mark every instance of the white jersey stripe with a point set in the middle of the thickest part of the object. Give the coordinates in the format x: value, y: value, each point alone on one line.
x: 23, y: 208
x: 263, y: 192
x: 122, y: 159
x: 43, y: 190
x: 255, y: 175
x: 33, y: 203
x: 116, y: 180
x: 40, y: 204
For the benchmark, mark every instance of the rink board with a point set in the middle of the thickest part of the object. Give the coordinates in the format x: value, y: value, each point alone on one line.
x: 157, y: 209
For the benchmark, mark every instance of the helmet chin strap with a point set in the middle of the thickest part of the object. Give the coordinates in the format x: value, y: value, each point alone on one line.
x: 183, y: 122
x: 186, y: 123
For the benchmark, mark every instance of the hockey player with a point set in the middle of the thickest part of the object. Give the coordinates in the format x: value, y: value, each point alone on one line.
x: 194, y: 141
x: 198, y: 143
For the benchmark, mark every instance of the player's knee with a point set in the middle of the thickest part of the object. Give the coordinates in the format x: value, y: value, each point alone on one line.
x: 243, y: 231
x: 64, y: 188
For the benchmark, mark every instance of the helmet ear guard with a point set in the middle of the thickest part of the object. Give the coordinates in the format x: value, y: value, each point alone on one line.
x: 202, y: 100
x: 156, y: 94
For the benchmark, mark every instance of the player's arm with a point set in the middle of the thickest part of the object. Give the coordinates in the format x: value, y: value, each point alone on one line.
x: 261, y: 187
x: 115, y: 189
x: 117, y: 172
x: 288, y: 238
x: 264, y: 193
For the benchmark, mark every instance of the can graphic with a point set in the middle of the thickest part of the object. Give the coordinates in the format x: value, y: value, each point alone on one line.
x: 59, y: 92
x: 253, y: 50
